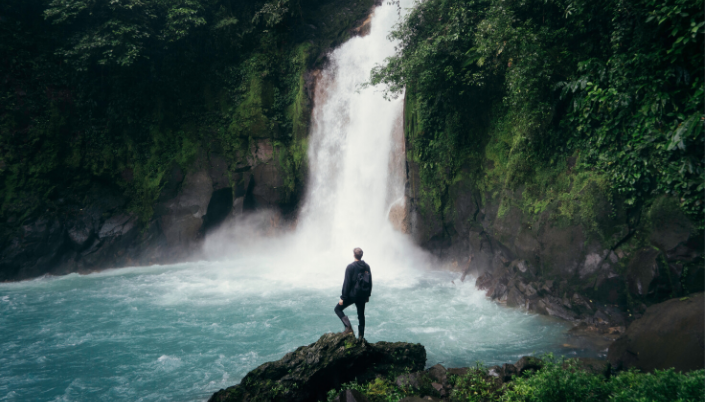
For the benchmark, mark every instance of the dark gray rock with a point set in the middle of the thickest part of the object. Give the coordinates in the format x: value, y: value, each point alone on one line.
x: 117, y: 225
x: 180, y: 218
x: 307, y: 373
x: 438, y: 374
x: 508, y: 372
x: 554, y: 307
x: 515, y: 298
x: 642, y: 270
x: 79, y: 234
x: 527, y: 363
x: 670, y: 334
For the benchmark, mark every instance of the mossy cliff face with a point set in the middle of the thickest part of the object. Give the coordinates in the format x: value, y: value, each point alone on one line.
x: 560, y: 134
x: 558, y: 230
x: 115, y: 155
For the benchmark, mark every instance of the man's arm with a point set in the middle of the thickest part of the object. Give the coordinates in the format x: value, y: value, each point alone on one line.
x: 346, y: 283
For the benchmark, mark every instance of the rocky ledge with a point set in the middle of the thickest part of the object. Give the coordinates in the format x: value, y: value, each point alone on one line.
x: 307, y: 373
x: 335, y: 361
x: 519, y: 285
x: 339, y: 368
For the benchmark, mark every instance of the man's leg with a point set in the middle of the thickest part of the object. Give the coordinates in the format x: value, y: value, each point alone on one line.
x: 361, y: 319
x: 339, y: 312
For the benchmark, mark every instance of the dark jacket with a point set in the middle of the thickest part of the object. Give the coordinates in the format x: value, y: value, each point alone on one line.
x: 350, y: 276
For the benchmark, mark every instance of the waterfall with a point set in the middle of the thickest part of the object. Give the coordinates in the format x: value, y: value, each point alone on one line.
x: 356, y: 152
x: 356, y: 178
x: 351, y: 143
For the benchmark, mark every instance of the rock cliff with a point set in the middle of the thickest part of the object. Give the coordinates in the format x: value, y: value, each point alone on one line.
x: 553, y: 264
x: 307, y: 373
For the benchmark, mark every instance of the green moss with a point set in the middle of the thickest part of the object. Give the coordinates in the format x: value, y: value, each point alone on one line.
x: 298, y: 109
x: 248, y: 117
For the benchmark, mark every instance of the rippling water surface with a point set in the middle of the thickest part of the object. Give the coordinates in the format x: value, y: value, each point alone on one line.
x: 179, y: 333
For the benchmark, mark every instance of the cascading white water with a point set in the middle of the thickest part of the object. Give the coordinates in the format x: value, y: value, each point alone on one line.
x: 351, y: 143
x: 354, y: 178
x: 181, y: 332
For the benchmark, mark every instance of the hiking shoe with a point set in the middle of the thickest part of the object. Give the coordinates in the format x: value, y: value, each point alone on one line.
x: 348, y: 327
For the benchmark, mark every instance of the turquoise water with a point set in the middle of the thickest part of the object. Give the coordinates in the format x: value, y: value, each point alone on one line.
x: 179, y: 333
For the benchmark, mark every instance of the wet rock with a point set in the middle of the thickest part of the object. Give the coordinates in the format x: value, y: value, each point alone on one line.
x: 181, y: 217
x: 498, y: 292
x: 350, y: 395
x: 170, y: 183
x: 608, y: 288
x: 268, y: 190
x: 438, y: 373
x: 484, y: 281
x: 264, y: 152
x: 642, y: 270
x: 582, y: 304
x: 591, y: 264
x: 307, y: 373
x: 79, y: 234
x: 670, y: 334
x: 508, y: 371
x: 219, y: 172
x: 195, y: 194
x: 515, y: 298
x: 117, y: 225
x: 531, y: 291
x: 547, y: 286
x: 553, y: 306
x: 525, y: 269
x: 527, y: 363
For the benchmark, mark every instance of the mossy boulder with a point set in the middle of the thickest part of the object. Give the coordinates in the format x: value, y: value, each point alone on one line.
x: 307, y: 373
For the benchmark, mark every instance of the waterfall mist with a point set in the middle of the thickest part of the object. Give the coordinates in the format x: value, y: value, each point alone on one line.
x: 356, y: 176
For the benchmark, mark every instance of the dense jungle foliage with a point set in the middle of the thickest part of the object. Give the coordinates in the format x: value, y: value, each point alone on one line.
x: 118, y: 91
x: 555, y: 99
x: 559, y: 380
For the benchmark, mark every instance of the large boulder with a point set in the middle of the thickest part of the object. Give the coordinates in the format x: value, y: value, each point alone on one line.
x: 307, y: 373
x: 182, y: 216
x: 670, y: 334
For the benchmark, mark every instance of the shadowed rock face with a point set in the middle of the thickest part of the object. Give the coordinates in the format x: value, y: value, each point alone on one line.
x: 96, y: 230
x: 670, y: 334
x: 307, y: 373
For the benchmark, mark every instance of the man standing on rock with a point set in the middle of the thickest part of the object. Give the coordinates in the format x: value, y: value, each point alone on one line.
x: 357, y: 289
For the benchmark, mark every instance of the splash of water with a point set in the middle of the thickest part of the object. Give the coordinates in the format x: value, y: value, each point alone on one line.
x: 357, y: 168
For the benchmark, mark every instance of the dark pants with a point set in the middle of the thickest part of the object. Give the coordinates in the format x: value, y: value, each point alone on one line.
x: 360, y: 311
